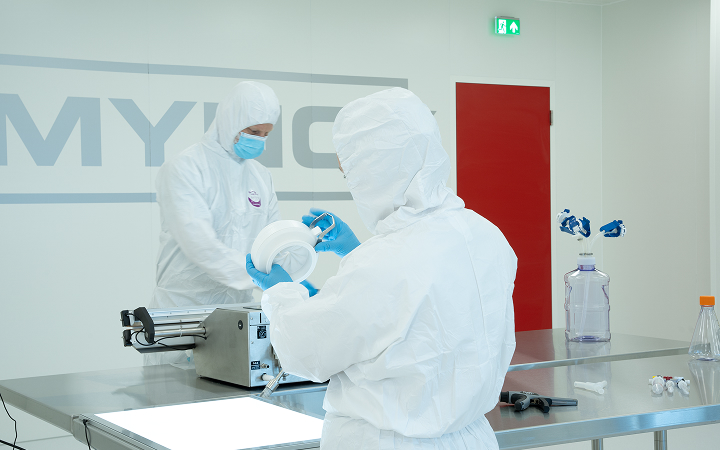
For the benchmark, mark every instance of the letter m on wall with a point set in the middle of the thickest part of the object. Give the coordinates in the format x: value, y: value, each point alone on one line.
x: 45, y: 151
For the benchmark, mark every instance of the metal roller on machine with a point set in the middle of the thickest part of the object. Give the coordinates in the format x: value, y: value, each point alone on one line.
x: 230, y: 342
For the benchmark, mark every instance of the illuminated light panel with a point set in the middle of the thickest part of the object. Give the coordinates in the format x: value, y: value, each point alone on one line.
x: 233, y: 424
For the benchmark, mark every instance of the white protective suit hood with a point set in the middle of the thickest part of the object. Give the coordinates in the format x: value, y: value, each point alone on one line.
x: 389, y: 147
x: 249, y: 103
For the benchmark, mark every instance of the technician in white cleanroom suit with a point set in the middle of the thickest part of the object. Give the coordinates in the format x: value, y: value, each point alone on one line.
x: 416, y: 330
x: 214, y: 200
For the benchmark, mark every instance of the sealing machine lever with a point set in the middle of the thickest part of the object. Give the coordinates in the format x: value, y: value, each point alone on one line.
x: 523, y: 399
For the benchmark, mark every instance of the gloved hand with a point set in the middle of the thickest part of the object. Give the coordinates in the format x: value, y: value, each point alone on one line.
x: 266, y: 280
x: 340, y: 240
x: 311, y: 289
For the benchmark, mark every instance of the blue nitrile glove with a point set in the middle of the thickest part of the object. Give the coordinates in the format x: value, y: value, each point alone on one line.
x: 266, y: 280
x: 340, y: 240
x: 311, y: 289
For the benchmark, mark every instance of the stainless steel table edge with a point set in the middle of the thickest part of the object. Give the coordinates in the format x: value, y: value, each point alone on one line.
x: 65, y: 423
x: 290, y: 389
x: 587, y: 430
x: 599, y: 359
x: 37, y: 409
x: 103, y: 435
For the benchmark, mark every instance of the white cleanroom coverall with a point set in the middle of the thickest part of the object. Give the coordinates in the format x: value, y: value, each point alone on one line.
x: 212, y: 206
x: 416, y: 330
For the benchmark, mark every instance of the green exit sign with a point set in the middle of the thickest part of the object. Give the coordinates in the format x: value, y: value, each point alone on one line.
x: 507, y: 25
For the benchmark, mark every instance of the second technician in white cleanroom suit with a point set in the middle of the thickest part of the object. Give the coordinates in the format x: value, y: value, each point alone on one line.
x: 214, y: 200
x: 416, y: 330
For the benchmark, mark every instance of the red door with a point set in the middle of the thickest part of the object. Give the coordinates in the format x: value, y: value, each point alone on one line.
x: 503, y: 173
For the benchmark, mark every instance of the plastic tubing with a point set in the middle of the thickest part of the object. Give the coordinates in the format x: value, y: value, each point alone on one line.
x: 585, y: 302
x: 272, y: 385
x: 595, y: 239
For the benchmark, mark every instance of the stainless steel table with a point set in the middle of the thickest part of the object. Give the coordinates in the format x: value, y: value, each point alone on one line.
x: 627, y: 407
x: 61, y: 398
x: 58, y: 399
x: 548, y: 348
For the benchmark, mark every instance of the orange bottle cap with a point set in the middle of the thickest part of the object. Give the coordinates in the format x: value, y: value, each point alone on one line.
x: 707, y: 300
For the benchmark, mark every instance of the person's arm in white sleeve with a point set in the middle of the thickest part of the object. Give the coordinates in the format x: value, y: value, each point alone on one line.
x: 273, y: 207
x: 189, y: 221
x: 348, y: 321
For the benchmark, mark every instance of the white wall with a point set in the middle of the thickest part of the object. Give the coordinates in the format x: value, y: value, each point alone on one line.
x: 620, y: 97
x: 655, y: 163
x: 656, y: 174
x: 714, y: 157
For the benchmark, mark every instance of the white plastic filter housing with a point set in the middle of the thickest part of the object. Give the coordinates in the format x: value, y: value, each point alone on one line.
x: 289, y: 243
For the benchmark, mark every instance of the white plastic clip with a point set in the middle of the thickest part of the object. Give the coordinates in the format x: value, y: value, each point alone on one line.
x: 595, y: 387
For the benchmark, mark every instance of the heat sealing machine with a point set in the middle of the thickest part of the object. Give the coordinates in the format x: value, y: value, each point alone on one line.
x: 230, y: 343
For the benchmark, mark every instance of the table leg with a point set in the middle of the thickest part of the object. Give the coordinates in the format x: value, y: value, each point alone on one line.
x: 661, y: 440
x: 597, y: 444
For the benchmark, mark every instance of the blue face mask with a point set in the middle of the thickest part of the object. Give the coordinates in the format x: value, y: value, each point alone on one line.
x: 249, y: 146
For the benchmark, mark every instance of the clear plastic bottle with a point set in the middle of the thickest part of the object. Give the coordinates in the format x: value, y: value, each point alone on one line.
x: 587, y: 302
x: 705, y: 344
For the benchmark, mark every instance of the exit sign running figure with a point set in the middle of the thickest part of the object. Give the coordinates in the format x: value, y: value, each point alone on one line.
x: 507, y: 25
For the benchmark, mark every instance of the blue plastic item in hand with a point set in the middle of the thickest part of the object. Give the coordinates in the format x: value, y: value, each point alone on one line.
x: 266, y: 280
x: 340, y: 240
x: 311, y: 289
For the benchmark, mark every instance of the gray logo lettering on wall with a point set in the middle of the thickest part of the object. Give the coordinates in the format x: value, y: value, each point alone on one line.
x: 154, y: 137
x: 46, y: 151
x: 304, y: 117
x: 84, y: 112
